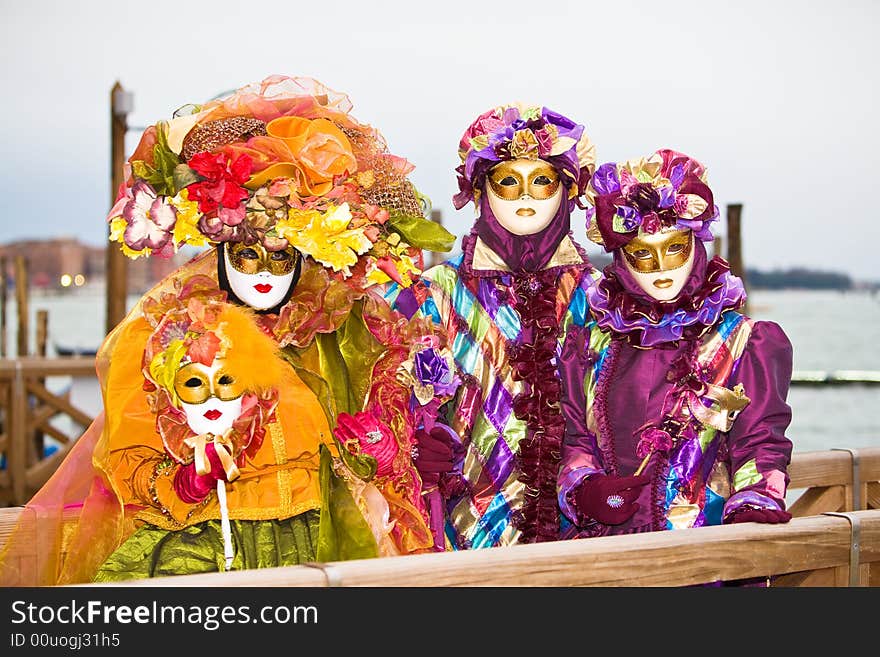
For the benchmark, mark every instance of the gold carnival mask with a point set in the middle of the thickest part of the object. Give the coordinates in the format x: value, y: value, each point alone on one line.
x: 195, y: 383
x: 513, y: 179
x: 661, y: 251
x: 253, y: 258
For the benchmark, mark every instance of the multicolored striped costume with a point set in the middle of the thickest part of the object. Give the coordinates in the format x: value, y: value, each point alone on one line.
x: 485, y: 311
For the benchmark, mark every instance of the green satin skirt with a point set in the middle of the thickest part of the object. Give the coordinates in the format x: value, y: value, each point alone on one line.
x: 155, y: 552
x: 337, y: 532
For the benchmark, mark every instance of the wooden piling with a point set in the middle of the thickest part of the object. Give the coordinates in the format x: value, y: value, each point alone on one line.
x: 3, y: 285
x: 21, y: 302
x: 734, y: 244
x: 718, y: 247
x: 116, y: 275
x: 41, y: 339
x: 42, y: 331
x: 436, y: 258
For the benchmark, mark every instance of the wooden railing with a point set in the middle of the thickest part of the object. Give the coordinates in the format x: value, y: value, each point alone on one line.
x: 835, y: 480
x: 27, y: 407
x: 811, y: 550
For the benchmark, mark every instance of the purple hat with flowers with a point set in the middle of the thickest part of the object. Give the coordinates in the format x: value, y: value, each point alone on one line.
x: 510, y: 132
x: 667, y: 189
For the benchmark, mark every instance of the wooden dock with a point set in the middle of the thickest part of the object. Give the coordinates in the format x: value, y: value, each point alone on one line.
x: 835, y: 378
x: 27, y: 407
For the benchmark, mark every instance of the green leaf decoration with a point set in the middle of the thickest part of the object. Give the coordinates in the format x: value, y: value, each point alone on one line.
x: 183, y: 176
x: 422, y: 233
x: 142, y: 170
x: 169, y: 175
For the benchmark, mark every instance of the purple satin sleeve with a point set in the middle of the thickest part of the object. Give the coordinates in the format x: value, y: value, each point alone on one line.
x: 579, y: 449
x: 758, y: 432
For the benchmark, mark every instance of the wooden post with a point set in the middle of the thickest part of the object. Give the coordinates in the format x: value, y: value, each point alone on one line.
x: 42, y: 336
x: 718, y: 247
x: 42, y: 331
x: 437, y: 217
x: 116, y: 274
x: 17, y: 451
x: 21, y: 301
x: 3, y: 284
x: 734, y: 244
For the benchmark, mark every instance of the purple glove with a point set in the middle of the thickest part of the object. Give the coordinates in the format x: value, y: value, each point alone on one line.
x: 434, y: 453
x: 609, y: 499
x: 751, y: 514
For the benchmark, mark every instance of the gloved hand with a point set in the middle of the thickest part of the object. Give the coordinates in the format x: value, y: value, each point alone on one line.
x: 371, y: 435
x: 434, y: 453
x: 751, y: 514
x: 192, y: 487
x: 609, y: 499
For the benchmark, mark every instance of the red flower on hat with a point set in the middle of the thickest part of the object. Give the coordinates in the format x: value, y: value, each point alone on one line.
x: 222, y: 184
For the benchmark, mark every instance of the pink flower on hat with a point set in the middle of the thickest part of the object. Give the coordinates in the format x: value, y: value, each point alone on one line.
x: 150, y: 219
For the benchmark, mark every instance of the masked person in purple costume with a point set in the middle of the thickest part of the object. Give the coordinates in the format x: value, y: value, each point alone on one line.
x: 503, y: 305
x: 675, y: 403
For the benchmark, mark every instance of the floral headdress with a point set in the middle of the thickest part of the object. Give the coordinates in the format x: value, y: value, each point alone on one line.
x: 667, y: 189
x: 510, y: 132
x: 279, y: 163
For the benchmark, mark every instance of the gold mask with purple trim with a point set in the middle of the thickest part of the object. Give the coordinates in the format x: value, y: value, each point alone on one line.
x: 661, y: 262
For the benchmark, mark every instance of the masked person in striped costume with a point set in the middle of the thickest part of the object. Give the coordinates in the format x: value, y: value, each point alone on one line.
x: 675, y: 403
x: 503, y: 304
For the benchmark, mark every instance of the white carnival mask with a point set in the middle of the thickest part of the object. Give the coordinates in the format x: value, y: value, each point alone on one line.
x: 261, y: 279
x: 210, y: 397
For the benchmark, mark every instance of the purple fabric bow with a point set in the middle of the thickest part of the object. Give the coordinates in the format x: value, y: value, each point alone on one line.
x: 430, y: 368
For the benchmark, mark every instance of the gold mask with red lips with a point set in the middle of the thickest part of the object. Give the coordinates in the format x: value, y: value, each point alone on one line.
x: 254, y: 258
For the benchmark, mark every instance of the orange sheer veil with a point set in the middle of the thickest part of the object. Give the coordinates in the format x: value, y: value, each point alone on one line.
x: 73, y: 523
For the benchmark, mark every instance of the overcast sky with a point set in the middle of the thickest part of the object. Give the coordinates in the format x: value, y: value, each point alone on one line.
x: 779, y: 99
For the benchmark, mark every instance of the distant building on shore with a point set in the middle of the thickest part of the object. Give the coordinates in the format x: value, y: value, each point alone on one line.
x: 65, y: 263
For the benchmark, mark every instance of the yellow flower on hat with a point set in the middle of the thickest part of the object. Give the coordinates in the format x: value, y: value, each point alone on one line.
x: 325, y: 237
x: 186, y: 230
x: 397, y: 256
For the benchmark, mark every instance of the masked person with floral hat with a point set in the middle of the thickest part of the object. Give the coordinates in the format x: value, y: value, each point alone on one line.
x: 227, y: 480
x: 503, y: 305
x: 305, y: 217
x: 675, y: 402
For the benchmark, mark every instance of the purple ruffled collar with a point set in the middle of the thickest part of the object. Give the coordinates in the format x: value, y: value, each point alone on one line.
x: 644, y: 322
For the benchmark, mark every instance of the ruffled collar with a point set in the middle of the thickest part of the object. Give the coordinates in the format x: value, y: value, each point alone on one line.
x: 645, y: 322
x: 319, y: 303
